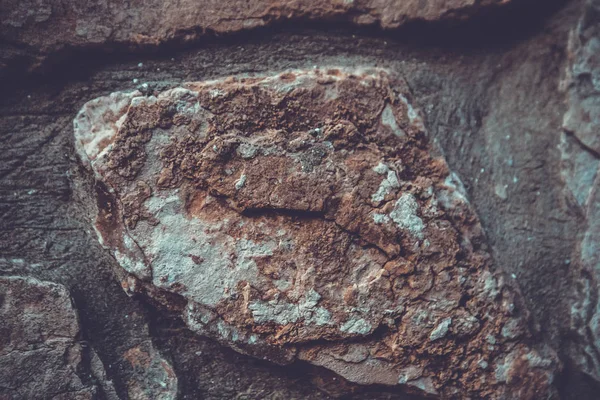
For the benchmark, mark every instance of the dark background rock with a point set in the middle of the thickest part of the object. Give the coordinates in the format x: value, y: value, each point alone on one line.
x: 489, y: 91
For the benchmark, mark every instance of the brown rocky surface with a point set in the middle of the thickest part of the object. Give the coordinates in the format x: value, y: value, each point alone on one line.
x: 493, y: 93
x: 36, y: 29
x: 306, y: 215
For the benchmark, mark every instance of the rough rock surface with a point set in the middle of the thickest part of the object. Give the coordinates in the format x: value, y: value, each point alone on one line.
x: 580, y: 149
x: 43, y: 27
x: 490, y: 96
x: 41, y: 356
x: 305, y: 215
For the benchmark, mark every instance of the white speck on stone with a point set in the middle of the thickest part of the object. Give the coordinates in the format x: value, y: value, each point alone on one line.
x: 405, y: 215
x: 388, y: 119
x: 140, y: 65
x: 356, y: 326
x: 483, y: 364
x: 135, y: 80
x: 145, y: 85
x: 515, y: 179
x: 381, y: 168
x: 500, y: 191
x: 214, y: 93
x: 387, y: 186
x: 380, y: 218
x: 239, y: 184
x: 98, y: 122
x: 413, y: 116
x: 283, y: 313
x: 490, y: 285
x: 409, y: 373
x: 441, y: 330
x: 453, y: 192
x: 246, y: 150
x: 511, y: 329
x: 425, y: 384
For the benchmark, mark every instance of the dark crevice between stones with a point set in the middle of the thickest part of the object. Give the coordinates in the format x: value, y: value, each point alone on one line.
x: 109, y: 332
x: 573, y: 384
x: 169, y: 332
x: 294, y: 214
x: 488, y: 29
x: 582, y: 145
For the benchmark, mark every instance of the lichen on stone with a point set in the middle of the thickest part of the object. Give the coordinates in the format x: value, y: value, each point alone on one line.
x: 302, y: 214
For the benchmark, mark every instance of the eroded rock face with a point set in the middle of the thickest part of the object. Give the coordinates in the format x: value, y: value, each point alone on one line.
x: 45, y: 26
x: 580, y: 148
x: 40, y: 355
x: 306, y: 216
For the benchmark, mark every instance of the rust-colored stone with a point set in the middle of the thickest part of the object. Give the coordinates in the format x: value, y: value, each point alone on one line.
x: 305, y: 215
x: 46, y: 27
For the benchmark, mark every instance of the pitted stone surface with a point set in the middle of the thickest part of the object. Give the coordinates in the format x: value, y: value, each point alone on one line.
x: 305, y: 215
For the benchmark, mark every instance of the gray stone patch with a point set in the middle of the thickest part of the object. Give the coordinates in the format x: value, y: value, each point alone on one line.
x: 387, y: 186
x: 405, y: 215
x: 441, y: 330
x: 284, y: 313
x: 388, y: 119
x: 356, y: 325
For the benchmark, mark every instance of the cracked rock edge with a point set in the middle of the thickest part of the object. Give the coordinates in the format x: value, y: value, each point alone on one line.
x: 43, y: 28
x: 306, y: 216
x: 580, y: 167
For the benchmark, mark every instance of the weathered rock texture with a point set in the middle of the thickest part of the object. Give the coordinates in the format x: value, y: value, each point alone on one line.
x: 40, y: 353
x: 43, y: 356
x: 43, y: 27
x: 305, y: 215
x: 580, y: 149
x: 490, y: 96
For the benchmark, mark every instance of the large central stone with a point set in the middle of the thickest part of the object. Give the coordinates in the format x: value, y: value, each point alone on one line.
x: 305, y: 215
